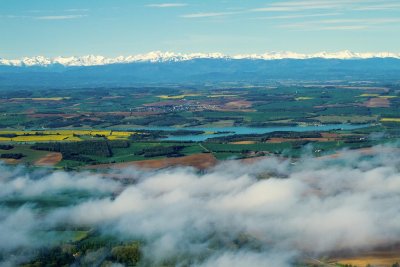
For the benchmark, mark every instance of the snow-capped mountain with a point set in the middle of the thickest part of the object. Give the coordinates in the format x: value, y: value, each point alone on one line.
x: 157, y: 56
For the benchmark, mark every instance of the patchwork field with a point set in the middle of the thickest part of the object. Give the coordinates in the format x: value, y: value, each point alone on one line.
x: 129, y: 123
x: 262, y: 133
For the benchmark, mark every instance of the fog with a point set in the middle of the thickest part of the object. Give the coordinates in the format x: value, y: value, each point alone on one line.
x: 269, y: 213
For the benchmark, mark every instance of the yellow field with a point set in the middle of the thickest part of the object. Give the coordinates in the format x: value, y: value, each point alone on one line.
x: 41, y: 138
x: 77, y: 132
x: 390, y: 119
x: 116, y: 137
x: 243, y: 143
x: 377, y: 95
x: 369, y: 95
x: 176, y: 96
x: 17, y: 132
x: 303, y: 98
x: 90, y: 132
x: 214, y: 96
x: 41, y: 98
x: 119, y: 135
x: 62, y: 135
x: 106, y: 133
x: 124, y: 134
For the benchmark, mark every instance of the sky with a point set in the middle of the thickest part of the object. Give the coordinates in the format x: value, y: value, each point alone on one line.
x: 127, y: 27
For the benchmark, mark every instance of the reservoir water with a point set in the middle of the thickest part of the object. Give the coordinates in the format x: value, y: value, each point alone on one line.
x: 227, y: 131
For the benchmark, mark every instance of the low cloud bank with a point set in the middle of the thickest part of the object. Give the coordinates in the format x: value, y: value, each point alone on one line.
x: 269, y: 213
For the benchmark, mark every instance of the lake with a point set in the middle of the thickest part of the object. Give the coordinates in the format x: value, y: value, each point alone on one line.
x: 245, y: 130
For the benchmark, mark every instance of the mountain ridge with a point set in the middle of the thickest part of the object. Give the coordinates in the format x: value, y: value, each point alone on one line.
x: 202, y: 71
x: 158, y: 57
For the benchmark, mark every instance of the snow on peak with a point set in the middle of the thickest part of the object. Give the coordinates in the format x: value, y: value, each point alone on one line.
x: 158, y: 56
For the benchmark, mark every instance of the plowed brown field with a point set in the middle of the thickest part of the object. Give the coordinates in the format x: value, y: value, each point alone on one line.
x: 199, y: 161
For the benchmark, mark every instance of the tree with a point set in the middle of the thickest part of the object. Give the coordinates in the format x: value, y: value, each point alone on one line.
x: 127, y: 254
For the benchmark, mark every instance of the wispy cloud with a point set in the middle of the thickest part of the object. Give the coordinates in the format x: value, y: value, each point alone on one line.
x: 314, y: 8
x: 298, y: 16
x: 179, y: 214
x: 297, y: 6
x: 52, y: 17
x: 361, y: 21
x: 52, y: 11
x: 340, y: 24
x: 342, y: 28
x: 293, y: 6
x: 388, y: 6
x: 206, y: 15
x: 77, y: 10
x: 14, y: 17
x: 337, y: 7
x: 167, y: 5
x: 60, y: 17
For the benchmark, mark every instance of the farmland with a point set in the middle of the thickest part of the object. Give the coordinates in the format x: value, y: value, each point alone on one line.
x: 130, y: 137
x: 150, y: 116
x: 200, y: 133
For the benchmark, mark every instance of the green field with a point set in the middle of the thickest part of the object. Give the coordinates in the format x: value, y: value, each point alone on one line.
x: 103, y: 115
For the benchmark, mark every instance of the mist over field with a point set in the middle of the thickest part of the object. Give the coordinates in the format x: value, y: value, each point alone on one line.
x: 273, y: 212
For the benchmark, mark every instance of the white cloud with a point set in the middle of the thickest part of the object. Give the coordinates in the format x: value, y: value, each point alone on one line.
x: 344, y: 28
x: 226, y: 216
x: 297, y: 16
x: 77, y: 10
x: 316, y: 27
x: 383, y: 6
x: 167, y: 5
x: 293, y: 6
x: 350, y: 203
x: 360, y: 21
x: 298, y: 6
x: 341, y: 24
x: 60, y: 17
x: 207, y: 15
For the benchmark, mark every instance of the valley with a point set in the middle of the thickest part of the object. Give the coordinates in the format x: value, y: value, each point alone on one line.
x: 229, y: 122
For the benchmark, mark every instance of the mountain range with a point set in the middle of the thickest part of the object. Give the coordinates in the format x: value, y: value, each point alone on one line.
x: 157, y: 56
x: 166, y: 68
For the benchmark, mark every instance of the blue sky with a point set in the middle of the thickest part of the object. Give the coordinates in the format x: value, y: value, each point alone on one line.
x: 123, y: 27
